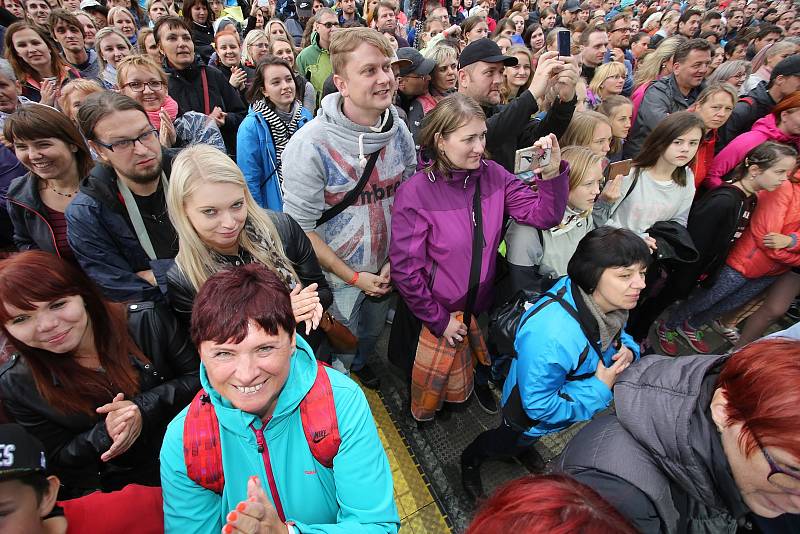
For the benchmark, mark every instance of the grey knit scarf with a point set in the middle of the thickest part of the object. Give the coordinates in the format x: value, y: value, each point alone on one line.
x: 610, y: 324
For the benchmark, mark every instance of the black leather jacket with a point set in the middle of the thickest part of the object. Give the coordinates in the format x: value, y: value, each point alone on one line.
x: 298, y: 249
x: 74, y: 442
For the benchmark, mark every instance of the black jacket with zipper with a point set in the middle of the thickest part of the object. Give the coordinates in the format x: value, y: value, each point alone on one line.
x: 73, y: 442
x: 32, y: 230
x: 186, y: 88
x: 510, y: 127
x: 298, y: 250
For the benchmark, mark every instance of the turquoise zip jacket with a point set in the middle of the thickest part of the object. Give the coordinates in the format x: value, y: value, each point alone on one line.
x: 355, y: 496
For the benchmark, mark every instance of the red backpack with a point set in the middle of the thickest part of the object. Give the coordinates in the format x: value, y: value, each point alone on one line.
x: 201, y: 445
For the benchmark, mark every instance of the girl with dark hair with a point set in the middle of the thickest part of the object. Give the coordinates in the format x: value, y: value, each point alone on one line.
x: 198, y: 14
x: 756, y: 259
x: 94, y: 381
x: 53, y: 150
x: 716, y: 221
x: 533, y: 38
x: 660, y: 186
x: 275, y: 115
x: 36, y: 62
x: 571, y: 347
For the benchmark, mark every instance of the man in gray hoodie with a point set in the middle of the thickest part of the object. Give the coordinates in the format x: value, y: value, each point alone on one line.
x: 325, y: 160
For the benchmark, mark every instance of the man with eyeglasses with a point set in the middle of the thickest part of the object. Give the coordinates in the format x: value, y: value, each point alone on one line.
x: 118, y: 226
x: 619, y: 36
x: 413, y: 79
x: 314, y: 61
x: 700, y: 443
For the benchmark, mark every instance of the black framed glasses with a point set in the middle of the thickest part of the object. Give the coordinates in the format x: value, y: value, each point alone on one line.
x: 330, y: 25
x: 138, y: 87
x: 128, y: 144
x: 780, y: 477
x: 626, y: 29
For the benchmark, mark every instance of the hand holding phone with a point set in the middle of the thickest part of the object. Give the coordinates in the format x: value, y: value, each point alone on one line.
x: 564, y: 43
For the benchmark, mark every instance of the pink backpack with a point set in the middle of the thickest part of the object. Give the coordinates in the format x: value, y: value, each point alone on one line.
x: 201, y: 444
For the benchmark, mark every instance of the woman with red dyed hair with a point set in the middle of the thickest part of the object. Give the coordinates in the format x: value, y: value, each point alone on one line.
x: 700, y: 443
x: 548, y: 504
x: 94, y: 381
x: 299, y: 451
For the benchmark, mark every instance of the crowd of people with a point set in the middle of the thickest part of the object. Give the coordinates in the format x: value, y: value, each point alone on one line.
x: 213, y: 209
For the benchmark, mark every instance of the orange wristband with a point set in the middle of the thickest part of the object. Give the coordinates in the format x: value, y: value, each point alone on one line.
x: 353, y: 281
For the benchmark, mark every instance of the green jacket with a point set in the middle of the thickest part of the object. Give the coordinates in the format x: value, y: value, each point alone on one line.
x: 314, y: 63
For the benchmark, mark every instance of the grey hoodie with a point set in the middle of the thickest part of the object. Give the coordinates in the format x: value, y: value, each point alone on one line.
x: 325, y: 159
x: 663, y: 444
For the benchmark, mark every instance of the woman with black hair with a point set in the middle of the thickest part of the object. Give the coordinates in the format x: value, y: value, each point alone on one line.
x: 571, y: 346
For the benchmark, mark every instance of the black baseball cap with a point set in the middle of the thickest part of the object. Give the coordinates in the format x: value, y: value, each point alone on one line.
x: 417, y: 63
x: 20, y: 453
x: 304, y: 8
x: 484, y: 50
x: 789, y: 66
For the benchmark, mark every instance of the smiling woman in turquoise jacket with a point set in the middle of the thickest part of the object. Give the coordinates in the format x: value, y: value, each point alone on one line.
x: 274, y: 116
x: 256, y: 373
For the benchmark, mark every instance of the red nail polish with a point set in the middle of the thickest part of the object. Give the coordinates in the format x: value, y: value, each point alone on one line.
x: 233, y: 516
x: 241, y: 506
x: 228, y: 529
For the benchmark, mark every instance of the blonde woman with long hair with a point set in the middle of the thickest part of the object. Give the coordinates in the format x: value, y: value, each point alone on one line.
x: 657, y: 63
x: 590, y: 129
x: 536, y: 258
x: 608, y: 80
x: 220, y: 226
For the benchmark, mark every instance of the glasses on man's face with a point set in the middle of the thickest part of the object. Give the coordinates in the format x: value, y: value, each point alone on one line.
x: 128, y: 144
x: 627, y: 29
x: 779, y: 477
x: 138, y: 87
x: 329, y: 25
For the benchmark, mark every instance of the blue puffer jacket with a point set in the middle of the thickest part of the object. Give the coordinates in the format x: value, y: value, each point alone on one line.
x: 105, y: 244
x: 549, y: 347
x: 256, y: 157
x: 354, y: 497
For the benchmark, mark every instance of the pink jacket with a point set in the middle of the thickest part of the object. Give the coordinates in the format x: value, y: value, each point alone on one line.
x: 763, y: 130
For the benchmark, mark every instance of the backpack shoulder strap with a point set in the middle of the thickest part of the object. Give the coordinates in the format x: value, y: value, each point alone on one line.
x: 318, y: 414
x: 749, y: 100
x: 201, y: 447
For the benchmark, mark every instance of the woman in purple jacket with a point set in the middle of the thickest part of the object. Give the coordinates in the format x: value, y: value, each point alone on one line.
x: 433, y: 224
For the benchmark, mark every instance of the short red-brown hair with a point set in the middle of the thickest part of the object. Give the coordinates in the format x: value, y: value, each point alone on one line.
x: 556, y: 504
x: 233, y: 297
x: 761, y: 383
x: 791, y: 101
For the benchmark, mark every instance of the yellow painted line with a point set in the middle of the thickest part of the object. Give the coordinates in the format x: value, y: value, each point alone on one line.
x: 419, y: 513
